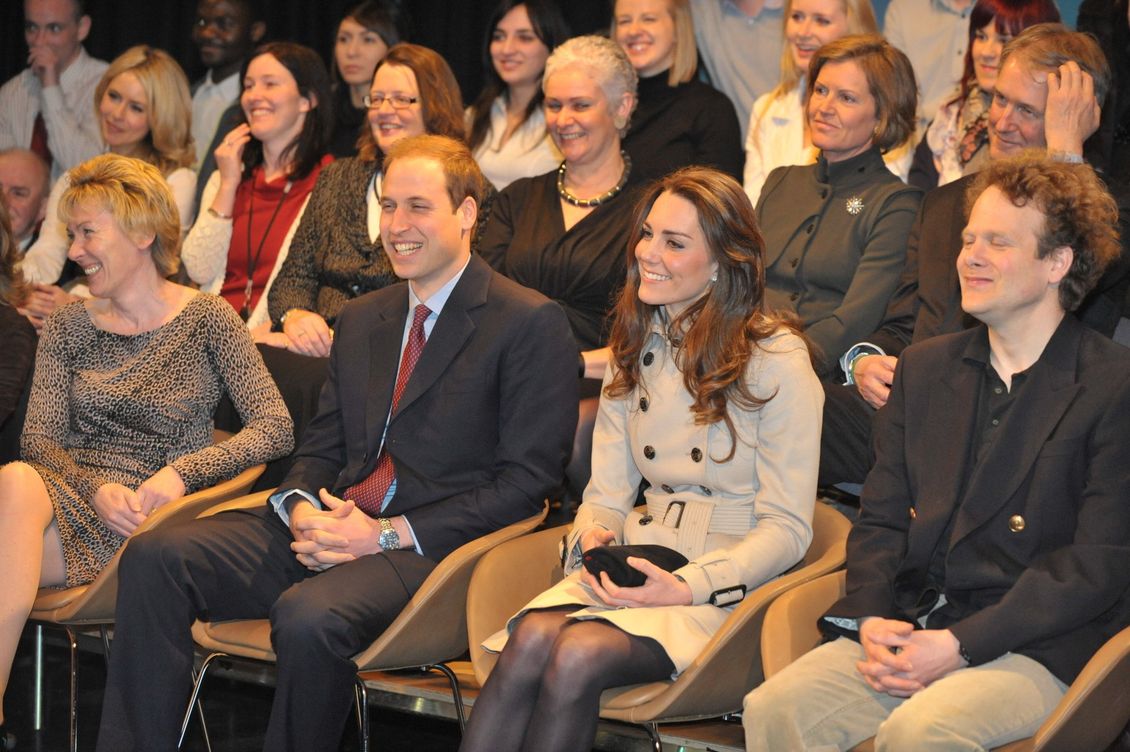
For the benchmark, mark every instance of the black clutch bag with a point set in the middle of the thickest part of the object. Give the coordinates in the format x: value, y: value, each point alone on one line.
x: 614, y: 561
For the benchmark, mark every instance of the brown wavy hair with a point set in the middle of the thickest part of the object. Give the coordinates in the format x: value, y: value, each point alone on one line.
x: 13, y: 289
x: 441, y: 102
x: 715, y: 336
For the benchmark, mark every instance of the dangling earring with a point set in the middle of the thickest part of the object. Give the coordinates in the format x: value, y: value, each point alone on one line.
x: 714, y: 277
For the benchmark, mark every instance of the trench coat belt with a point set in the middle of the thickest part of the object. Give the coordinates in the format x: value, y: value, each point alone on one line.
x: 729, y: 520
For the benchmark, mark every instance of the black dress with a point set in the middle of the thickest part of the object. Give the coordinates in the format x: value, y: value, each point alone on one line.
x: 582, y: 268
x: 676, y: 126
x: 18, y: 339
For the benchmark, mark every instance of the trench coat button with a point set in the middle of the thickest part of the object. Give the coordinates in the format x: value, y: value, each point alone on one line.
x: 667, y: 489
x: 913, y: 514
x: 706, y: 491
x: 646, y: 519
x: 648, y: 358
x: 1016, y: 523
x: 696, y: 454
x: 649, y: 452
x: 643, y: 404
x: 794, y: 296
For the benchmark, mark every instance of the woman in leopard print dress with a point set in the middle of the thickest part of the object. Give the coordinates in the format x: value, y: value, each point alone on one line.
x: 120, y: 416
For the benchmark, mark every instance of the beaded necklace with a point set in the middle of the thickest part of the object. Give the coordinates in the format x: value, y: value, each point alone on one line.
x: 588, y: 203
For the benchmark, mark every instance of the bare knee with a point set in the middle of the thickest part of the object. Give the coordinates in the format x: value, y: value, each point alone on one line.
x: 23, y: 493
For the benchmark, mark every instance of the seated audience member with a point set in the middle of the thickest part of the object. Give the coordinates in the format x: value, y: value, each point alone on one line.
x: 778, y: 131
x: 17, y: 340
x: 363, y: 38
x: 966, y: 619
x: 934, y: 34
x: 45, y: 107
x: 265, y: 170
x: 143, y: 110
x: 1109, y: 22
x: 740, y: 43
x: 337, y: 253
x: 24, y: 183
x: 506, y: 124
x: 120, y: 417
x: 228, y: 30
x: 957, y: 140
x: 387, y: 481
x: 678, y: 120
x: 714, y: 403
x: 1047, y: 69
x: 225, y: 32
x: 836, y: 230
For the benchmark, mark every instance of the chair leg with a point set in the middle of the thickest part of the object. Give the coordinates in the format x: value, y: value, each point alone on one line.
x: 193, y: 700
x: 456, y: 695
x: 72, y: 640
x: 361, y: 704
x: 37, y: 712
x: 653, y: 734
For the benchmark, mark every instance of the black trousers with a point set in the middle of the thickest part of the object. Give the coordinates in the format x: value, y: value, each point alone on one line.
x: 846, y: 452
x: 238, y: 565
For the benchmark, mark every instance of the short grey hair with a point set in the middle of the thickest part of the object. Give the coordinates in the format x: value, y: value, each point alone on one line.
x: 604, y: 60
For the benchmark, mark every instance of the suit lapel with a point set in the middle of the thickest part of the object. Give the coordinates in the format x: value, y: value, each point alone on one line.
x: 384, y: 356
x: 1050, y: 389
x: 452, y: 330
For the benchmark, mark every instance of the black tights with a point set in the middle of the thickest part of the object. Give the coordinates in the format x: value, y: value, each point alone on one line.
x: 544, y: 692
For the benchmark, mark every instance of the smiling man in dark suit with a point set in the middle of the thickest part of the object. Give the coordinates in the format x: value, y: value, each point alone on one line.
x: 448, y: 413
x: 989, y: 560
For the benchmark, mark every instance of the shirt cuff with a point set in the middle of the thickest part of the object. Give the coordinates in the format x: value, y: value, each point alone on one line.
x: 278, y: 498
x: 863, y: 348
x: 415, y: 540
x: 851, y: 625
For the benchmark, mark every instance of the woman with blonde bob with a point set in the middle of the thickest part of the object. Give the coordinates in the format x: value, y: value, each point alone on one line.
x: 120, y: 417
x: 679, y: 120
x: 144, y: 110
x: 714, y: 402
x: 778, y: 133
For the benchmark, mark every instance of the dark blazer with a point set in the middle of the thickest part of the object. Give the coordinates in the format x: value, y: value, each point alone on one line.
x: 1036, y: 563
x: 484, y: 426
x: 927, y: 300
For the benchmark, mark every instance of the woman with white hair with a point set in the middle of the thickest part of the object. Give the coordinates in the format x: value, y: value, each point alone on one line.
x: 563, y: 233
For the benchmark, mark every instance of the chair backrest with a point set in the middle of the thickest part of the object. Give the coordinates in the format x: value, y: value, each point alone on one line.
x: 1097, y: 705
x: 730, y: 664
x: 94, y: 602
x: 504, y: 580
x: 790, y: 629
x: 433, y: 626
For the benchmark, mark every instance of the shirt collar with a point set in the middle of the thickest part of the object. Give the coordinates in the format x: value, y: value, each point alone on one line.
x: 439, y: 298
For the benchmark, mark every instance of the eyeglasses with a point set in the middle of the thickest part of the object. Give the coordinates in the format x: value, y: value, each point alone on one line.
x: 398, y: 101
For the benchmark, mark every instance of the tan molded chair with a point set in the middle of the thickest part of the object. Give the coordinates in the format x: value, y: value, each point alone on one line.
x: 712, y: 686
x: 1090, y: 716
x: 93, y: 603
x: 430, y: 630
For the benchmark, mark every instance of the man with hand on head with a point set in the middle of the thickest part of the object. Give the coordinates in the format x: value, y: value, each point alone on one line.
x: 24, y: 184
x: 448, y: 413
x: 46, y: 107
x: 989, y: 560
x: 1047, y: 97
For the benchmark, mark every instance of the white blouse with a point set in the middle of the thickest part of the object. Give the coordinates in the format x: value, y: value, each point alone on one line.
x: 529, y: 151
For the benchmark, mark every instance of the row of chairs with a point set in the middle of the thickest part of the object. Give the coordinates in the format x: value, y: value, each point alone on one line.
x: 475, y: 589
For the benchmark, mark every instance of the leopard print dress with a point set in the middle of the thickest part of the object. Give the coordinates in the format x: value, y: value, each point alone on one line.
x: 112, y: 408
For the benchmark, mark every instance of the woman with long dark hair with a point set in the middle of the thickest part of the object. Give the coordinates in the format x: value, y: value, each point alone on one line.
x: 714, y: 402
x: 266, y: 168
x: 506, y: 125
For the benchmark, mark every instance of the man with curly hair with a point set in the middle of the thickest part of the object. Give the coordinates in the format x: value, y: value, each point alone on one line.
x: 988, y: 563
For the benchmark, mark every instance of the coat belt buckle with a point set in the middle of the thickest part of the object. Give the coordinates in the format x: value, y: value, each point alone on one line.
x: 682, y: 505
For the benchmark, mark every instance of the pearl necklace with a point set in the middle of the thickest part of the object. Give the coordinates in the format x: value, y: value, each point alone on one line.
x: 588, y: 203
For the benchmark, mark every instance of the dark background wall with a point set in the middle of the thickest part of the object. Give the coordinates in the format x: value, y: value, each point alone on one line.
x: 454, y: 28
